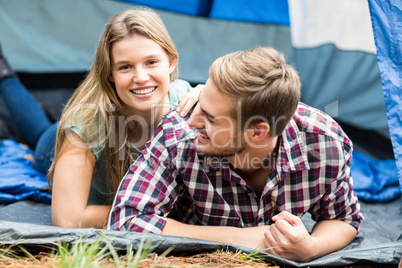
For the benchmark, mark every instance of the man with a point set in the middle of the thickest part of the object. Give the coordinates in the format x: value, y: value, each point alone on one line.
x: 251, y: 161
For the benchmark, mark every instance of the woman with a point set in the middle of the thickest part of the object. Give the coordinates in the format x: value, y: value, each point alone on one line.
x: 115, y: 110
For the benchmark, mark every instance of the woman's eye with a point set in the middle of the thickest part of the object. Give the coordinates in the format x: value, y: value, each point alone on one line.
x: 124, y: 67
x: 151, y: 62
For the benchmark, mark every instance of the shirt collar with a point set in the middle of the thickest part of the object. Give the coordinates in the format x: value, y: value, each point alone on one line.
x: 292, y: 154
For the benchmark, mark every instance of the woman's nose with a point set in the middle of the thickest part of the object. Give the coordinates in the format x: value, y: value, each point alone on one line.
x: 140, y: 75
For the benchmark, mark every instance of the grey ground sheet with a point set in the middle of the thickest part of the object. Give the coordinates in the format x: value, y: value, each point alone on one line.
x: 379, y: 241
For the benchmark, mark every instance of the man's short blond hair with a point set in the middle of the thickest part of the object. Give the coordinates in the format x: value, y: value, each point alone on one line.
x: 263, y: 86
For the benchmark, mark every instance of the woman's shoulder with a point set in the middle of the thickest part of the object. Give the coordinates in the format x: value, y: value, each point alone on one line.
x: 77, y: 127
x: 177, y: 89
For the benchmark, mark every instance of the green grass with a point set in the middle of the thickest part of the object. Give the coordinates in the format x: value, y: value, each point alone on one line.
x: 101, y: 253
x: 91, y: 255
x: 82, y: 254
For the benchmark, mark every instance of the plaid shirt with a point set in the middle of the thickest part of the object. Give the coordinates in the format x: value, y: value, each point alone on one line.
x: 312, y: 174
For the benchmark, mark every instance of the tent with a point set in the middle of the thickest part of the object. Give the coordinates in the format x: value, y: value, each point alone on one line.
x: 348, y: 55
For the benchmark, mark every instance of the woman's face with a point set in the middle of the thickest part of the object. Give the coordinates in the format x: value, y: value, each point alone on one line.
x: 141, y: 71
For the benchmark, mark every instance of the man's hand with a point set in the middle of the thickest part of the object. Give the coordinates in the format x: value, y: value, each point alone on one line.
x: 288, y: 238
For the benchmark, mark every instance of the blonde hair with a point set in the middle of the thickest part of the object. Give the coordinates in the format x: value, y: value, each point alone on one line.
x: 96, y: 102
x: 262, y: 85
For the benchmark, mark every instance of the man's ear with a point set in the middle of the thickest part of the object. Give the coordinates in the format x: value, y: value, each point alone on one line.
x: 258, y: 131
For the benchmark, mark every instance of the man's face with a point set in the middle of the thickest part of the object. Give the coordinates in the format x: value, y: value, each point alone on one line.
x: 217, y: 130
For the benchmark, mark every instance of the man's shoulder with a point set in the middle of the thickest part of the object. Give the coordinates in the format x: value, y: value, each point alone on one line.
x: 175, y: 127
x: 313, y: 121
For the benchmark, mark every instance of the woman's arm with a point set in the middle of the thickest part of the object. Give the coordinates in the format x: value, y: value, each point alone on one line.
x: 71, y: 185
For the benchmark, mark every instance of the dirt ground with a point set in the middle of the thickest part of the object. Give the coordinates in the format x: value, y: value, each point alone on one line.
x: 215, y: 259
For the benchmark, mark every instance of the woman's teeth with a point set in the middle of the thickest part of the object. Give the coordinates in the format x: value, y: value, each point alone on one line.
x: 143, y: 91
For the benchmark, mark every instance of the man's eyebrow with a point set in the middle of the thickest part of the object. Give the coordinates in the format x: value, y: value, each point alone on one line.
x: 208, y: 114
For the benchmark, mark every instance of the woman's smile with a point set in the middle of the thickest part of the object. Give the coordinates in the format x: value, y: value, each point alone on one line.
x: 143, y: 92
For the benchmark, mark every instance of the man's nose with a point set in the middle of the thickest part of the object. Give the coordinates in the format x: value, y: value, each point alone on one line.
x: 196, y: 119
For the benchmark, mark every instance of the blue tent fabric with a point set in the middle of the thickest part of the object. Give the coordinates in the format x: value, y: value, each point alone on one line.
x: 189, y: 7
x: 386, y: 18
x: 374, y: 180
x: 19, y: 180
x: 267, y: 11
